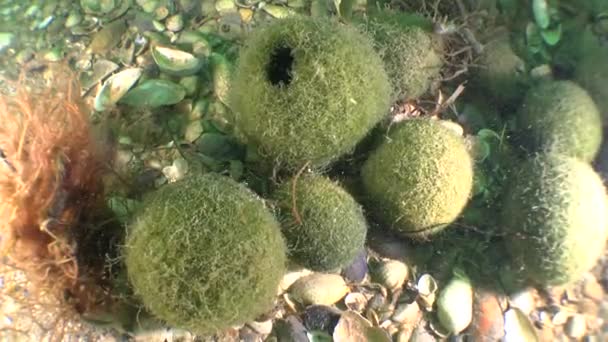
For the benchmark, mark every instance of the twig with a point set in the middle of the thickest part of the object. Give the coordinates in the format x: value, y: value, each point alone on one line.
x: 442, y: 105
x: 294, y: 209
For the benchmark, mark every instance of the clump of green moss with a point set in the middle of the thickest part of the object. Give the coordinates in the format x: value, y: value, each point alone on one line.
x: 323, y: 225
x: 205, y: 254
x: 556, y: 218
x: 501, y: 73
x: 591, y: 73
x: 420, y: 178
x: 410, y: 51
x: 560, y: 117
x: 307, y: 90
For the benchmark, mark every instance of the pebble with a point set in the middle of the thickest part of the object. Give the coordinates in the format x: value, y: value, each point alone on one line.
x: 592, y: 288
x: 576, y: 327
x: 290, y: 329
x: 355, y: 301
x: 488, y: 321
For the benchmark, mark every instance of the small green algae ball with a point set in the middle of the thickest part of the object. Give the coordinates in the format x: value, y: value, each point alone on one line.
x: 205, y: 254
x: 410, y: 51
x: 556, y: 216
x: 323, y: 225
x: 308, y: 90
x: 420, y: 178
x: 560, y: 117
x: 501, y: 73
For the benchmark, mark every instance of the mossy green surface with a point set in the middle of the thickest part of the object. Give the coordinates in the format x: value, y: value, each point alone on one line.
x: 592, y: 74
x: 329, y: 229
x: 560, y: 117
x: 205, y: 254
x: 307, y: 90
x: 419, y: 180
x: 501, y: 73
x: 556, y: 219
x: 410, y: 51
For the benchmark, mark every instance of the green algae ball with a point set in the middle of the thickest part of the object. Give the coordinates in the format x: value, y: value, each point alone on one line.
x: 556, y: 217
x: 410, y: 51
x: 560, y: 117
x: 323, y: 225
x: 205, y: 254
x: 307, y: 90
x: 501, y: 73
x: 420, y: 178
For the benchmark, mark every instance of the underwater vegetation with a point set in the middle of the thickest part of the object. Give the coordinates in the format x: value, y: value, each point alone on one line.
x: 305, y: 170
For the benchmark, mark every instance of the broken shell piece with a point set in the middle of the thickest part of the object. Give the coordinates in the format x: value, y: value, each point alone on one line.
x: 115, y: 88
x: 518, y: 327
x: 355, y: 301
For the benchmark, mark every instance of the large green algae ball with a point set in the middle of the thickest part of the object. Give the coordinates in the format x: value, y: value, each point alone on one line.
x: 307, y: 90
x: 205, y: 254
x: 411, y: 53
x: 420, y: 178
x: 323, y: 225
x: 560, y: 117
x: 556, y: 217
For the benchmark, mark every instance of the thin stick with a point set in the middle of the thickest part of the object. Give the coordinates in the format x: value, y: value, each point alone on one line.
x: 294, y: 209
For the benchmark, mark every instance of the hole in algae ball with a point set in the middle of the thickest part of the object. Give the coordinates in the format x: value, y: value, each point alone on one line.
x: 205, y: 254
x: 307, y: 90
x: 280, y: 66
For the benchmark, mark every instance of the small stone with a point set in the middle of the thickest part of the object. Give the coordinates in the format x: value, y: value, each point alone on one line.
x: 592, y: 288
x: 488, y: 321
x: 576, y: 327
x: 290, y: 329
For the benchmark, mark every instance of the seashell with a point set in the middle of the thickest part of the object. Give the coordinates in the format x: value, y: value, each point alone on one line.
x: 391, y: 274
x: 177, y: 171
x: 455, y: 304
x: 176, y: 62
x: 523, y: 300
x: 354, y: 327
x: 278, y: 12
x: 74, y: 18
x: 518, y: 327
x: 115, y: 88
x: 355, y: 301
x: 175, y: 23
x: 108, y: 37
x: 154, y: 93
x: 221, y: 76
x: 148, y: 6
x: 263, y: 328
x: 225, y: 6
x: 319, y: 288
x: 576, y: 327
x: 427, y: 288
x: 321, y: 318
x: 407, y: 314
